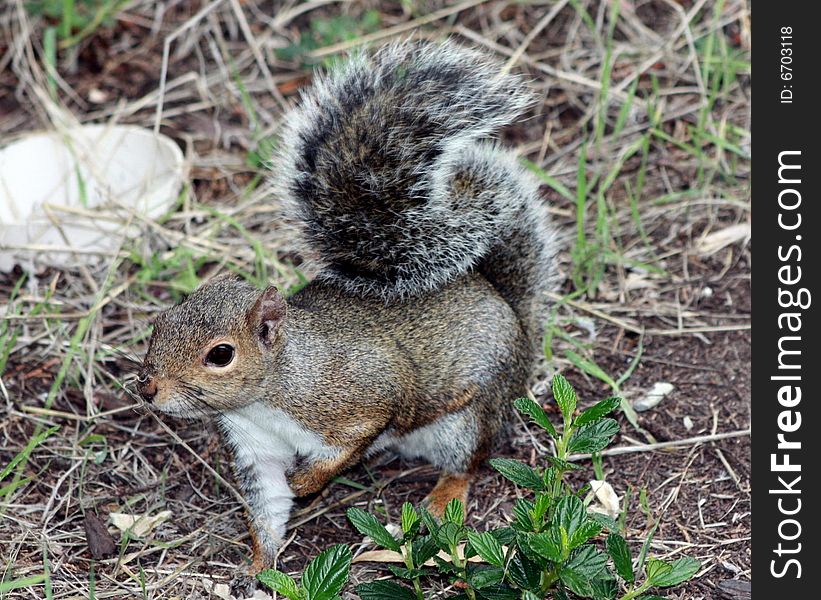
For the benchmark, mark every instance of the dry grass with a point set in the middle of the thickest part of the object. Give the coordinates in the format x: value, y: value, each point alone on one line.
x: 650, y: 105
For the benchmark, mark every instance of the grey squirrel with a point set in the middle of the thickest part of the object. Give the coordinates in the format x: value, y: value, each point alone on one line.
x: 426, y: 316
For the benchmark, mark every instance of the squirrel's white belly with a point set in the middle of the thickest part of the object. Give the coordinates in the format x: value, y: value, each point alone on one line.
x: 270, y: 433
x: 265, y: 442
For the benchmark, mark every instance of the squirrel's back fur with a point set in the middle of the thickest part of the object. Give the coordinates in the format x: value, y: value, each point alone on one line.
x: 387, y: 165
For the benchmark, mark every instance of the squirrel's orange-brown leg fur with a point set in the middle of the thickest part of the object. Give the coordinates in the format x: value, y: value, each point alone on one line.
x: 311, y: 477
x: 260, y: 557
x: 449, y: 486
x: 243, y: 584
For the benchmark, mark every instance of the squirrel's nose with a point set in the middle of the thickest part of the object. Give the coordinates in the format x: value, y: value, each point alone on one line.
x: 147, y: 386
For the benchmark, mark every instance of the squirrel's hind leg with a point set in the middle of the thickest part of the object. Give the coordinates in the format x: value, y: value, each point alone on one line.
x: 458, y: 443
x: 449, y: 486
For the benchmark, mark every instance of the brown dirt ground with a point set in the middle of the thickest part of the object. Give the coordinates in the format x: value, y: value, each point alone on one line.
x: 701, y: 492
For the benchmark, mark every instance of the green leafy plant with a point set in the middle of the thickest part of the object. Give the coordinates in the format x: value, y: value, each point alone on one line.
x: 552, y: 548
x: 323, y: 578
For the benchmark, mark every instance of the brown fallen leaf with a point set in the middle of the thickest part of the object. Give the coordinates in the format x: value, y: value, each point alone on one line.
x: 100, y: 542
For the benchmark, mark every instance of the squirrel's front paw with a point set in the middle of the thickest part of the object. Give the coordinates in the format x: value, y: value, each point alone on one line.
x: 243, y: 586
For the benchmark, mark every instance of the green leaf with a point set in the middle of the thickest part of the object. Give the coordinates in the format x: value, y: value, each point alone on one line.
x: 594, y: 437
x: 445, y: 567
x: 522, y: 509
x: 586, y: 573
x: 537, y: 414
x: 680, y: 570
x: 546, y: 544
x: 597, y: 411
x: 429, y: 520
x: 504, y: 535
x: 424, y: 548
x: 657, y: 570
x: 588, y: 529
x: 576, y: 583
x: 619, y: 551
x: 589, y: 561
x: 480, y: 576
x: 499, y: 592
x: 454, y: 512
x: 519, y: 473
x: 384, y: 589
x: 605, y: 589
x: 552, y: 475
x: 565, y: 396
x: 605, y: 521
x: 449, y: 536
x: 540, y: 507
x: 410, y: 519
x: 528, y: 595
x: 487, y: 547
x: 326, y: 575
x: 280, y: 583
x: 570, y: 514
x: 405, y: 573
x: 523, y: 542
x: 524, y: 572
x: 368, y: 525
x: 563, y: 465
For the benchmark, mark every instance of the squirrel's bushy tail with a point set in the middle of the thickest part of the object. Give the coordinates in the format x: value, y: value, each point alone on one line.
x: 386, y: 164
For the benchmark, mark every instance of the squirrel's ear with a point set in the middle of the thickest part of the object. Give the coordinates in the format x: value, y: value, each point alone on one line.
x: 267, y: 315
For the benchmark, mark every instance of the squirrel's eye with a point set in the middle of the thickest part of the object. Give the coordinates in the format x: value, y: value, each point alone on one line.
x: 220, y: 355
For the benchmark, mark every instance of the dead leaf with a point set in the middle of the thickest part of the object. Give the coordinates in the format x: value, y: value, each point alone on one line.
x: 100, y: 542
x: 715, y: 241
x: 389, y: 556
x: 138, y: 526
x: 654, y: 396
x: 608, y: 500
